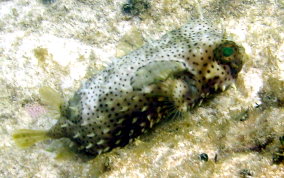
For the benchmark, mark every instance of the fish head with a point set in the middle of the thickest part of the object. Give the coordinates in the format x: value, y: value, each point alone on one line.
x: 221, y: 71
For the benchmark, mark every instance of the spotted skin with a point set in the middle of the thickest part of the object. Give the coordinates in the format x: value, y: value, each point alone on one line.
x: 165, y: 77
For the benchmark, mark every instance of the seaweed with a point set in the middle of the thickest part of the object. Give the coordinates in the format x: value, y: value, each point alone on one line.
x: 48, y: 1
x: 278, y: 156
x: 135, y: 7
x: 246, y: 173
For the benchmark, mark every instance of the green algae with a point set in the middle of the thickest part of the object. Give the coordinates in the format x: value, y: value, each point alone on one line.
x: 243, y: 115
x: 41, y: 54
x: 278, y: 155
x: 135, y: 7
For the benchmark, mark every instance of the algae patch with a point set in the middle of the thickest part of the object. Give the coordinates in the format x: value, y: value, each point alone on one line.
x: 136, y: 7
x: 41, y: 54
x: 129, y: 42
x: 46, y: 61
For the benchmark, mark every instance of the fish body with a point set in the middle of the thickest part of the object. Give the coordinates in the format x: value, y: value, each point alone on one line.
x: 153, y: 83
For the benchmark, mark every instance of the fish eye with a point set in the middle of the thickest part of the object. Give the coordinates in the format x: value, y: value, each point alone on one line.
x: 231, y: 54
x: 227, y: 51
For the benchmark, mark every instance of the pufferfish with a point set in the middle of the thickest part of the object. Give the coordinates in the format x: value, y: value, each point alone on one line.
x: 135, y: 92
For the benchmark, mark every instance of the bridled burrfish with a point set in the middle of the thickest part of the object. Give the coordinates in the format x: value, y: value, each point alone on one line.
x: 150, y: 84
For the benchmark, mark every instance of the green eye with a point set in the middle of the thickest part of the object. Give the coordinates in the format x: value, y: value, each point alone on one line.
x: 228, y: 51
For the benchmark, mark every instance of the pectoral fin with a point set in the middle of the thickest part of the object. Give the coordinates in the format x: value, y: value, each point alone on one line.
x: 156, y: 72
x: 52, y: 99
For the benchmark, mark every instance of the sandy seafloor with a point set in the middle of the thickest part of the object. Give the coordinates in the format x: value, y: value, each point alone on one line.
x: 61, y: 44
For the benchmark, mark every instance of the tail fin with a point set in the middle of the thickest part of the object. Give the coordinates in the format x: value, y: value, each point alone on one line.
x: 52, y: 99
x: 25, y: 138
